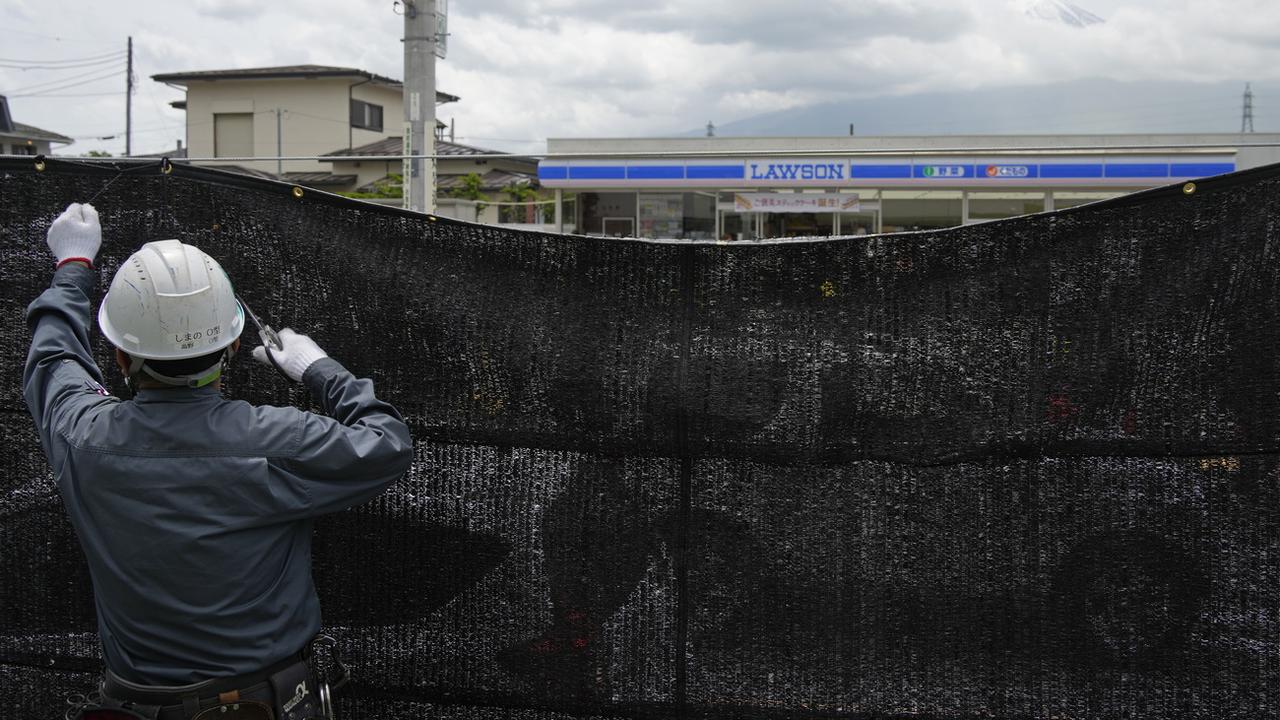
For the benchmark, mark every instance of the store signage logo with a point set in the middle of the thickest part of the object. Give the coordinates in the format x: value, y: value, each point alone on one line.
x: 944, y: 171
x: 1008, y: 171
x: 797, y: 171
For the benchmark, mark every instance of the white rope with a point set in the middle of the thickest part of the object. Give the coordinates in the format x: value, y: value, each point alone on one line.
x: 748, y: 152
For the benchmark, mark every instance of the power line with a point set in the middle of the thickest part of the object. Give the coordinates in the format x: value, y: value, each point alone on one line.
x: 74, y: 95
x: 68, y: 86
x: 90, y: 58
x: 40, y: 86
x: 72, y: 66
x: 317, y: 117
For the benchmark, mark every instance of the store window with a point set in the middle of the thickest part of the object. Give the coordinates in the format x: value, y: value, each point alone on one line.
x: 661, y: 215
x: 780, y: 225
x: 699, y: 216
x: 677, y: 216
x: 366, y: 116
x: 997, y: 205
x: 1063, y: 200
x: 233, y: 135
x: 859, y: 223
x: 921, y: 209
x: 864, y: 219
x: 738, y: 226
x: 611, y: 214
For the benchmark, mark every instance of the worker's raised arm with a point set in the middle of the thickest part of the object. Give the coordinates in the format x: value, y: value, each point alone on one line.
x: 60, y: 373
x: 352, y: 455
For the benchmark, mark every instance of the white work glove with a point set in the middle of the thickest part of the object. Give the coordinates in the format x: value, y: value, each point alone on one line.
x: 297, y: 355
x: 76, y: 234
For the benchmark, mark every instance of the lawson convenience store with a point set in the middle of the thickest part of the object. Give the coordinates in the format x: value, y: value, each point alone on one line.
x: 757, y: 188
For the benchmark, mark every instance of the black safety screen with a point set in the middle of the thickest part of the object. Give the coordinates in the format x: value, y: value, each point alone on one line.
x: 1020, y: 469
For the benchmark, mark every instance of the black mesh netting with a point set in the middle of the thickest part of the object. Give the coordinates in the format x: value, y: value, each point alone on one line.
x: 1019, y: 469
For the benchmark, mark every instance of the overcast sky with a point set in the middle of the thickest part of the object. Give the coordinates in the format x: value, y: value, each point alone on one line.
x: 527, y: 70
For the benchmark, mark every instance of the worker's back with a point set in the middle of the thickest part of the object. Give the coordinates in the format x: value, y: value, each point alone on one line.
x: 197, y: 534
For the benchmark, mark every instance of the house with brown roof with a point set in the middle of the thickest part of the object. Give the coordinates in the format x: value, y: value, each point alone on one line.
x: 456, y: 160
x: 252, y: 115
x: 243, y: 119
x: 454, y: 163
x: 19, y: 139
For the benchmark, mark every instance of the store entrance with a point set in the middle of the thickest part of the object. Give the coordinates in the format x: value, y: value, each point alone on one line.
x: 781, y: 225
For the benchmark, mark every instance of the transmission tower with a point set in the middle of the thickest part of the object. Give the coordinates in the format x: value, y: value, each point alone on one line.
x: 1246, y: 118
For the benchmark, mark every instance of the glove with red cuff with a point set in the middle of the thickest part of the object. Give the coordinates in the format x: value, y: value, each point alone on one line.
x: 76, y: 234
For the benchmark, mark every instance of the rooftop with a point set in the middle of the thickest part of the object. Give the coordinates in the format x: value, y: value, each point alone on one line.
x: 284, y: 72
x: 394, y: 145
x: 30, y: 132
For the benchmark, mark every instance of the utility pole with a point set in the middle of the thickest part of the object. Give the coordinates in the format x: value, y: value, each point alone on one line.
x: 711, y: 129
x: 128, y: 102
x: 1246, y: 118
x: 420, y: 104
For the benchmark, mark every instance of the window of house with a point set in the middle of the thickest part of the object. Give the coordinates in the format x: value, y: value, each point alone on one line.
x: 23, y: 149
x: 366, y: 115
x: 233, y: 135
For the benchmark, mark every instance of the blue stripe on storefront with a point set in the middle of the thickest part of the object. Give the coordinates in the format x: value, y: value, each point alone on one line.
x: 1071, y: 170
x: 655, y: 172
x: 715, y: 172
x: 1137, y: 170
x: 880, y: 172
x: 598, y: 172
x: 1200, y: 169
x: 1046, y: 171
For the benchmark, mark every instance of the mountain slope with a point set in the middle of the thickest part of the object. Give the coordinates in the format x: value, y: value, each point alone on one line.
x: 1086, y: 106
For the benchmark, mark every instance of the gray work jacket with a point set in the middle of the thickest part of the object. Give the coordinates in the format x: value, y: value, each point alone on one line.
x: 195, y: 511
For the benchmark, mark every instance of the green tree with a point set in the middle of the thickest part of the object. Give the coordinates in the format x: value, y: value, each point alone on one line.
x: 471, y: 187
x: 391, y: 186
x: 521, y: 193
x: 97, y: 153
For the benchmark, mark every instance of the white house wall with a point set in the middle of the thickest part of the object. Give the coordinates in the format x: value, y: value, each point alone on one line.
x: 316, y: 118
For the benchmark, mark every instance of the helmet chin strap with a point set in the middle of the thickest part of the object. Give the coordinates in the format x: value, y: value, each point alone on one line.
x: 194, y: 380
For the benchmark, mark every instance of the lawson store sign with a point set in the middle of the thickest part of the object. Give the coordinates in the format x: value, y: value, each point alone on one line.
x: 1053, y: 171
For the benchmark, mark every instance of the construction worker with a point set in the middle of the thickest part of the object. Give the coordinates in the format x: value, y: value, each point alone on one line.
x: 194, y: 511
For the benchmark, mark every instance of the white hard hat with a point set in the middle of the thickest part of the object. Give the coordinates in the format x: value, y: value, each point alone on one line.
x: 170, y: 301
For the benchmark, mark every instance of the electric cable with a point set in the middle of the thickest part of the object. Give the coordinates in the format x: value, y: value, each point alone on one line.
x: 68, y: 60
x: 63, y: 83
x: 24, y: 67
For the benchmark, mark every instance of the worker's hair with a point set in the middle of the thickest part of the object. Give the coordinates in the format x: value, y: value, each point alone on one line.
x: 186, y: 366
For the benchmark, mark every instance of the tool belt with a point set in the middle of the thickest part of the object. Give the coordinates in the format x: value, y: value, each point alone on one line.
x: 296, y: 688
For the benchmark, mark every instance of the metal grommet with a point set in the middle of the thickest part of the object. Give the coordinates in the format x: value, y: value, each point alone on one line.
x: 431, y: 218
x: 39, y: 163
x: 297, y: 191
x: 1189, y: 188
x: 166, y: 167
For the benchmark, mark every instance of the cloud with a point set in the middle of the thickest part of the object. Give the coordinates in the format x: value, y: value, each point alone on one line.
x: 232, y: 10
x: 528, y: 69
x: 756, y: 23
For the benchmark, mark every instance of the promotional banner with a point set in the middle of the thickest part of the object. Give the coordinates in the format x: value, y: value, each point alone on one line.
x: 796, y: 202
x: 1022, y: 469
